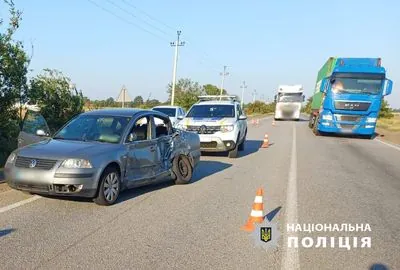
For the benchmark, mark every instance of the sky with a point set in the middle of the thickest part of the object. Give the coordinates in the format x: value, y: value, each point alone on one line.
x: 104, y: 44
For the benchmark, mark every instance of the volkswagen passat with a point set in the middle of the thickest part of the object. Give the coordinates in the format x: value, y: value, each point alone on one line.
x: 100, y: 153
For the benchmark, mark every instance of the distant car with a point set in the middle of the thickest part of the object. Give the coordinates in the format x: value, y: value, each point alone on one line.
x: 221, y: 124
x: 174, y: 113
x: 100, y: 153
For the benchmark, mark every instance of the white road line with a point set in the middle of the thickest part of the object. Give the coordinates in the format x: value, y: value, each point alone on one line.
x: 290, y: 256
x: 388, y: 144
x: 18, y: 204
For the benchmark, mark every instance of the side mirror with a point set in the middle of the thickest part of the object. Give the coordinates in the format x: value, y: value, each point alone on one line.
x: 40, y: 133
x: 304, y: 98
x: 275, y: 97
x: 242, y: 117
x: 387, y: 87
x: 324, y: 85
x: 180, y: 117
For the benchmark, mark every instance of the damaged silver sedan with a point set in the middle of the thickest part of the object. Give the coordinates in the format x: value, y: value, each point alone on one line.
x: 100, y: 153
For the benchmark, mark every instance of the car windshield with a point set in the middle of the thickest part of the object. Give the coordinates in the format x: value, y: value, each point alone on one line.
x: 212, y: 111
x: 297, y: 97
x: 171, y: 112
x: 368, y: 86
x: 94, y: 128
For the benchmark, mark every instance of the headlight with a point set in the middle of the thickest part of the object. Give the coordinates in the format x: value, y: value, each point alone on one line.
x: 11, y: 158
x: 227, y: 128
x: 327, y: 117
x: 76, y: 164
x: 371, y: 119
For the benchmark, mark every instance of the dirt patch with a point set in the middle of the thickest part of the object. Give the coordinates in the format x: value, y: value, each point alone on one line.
x: 4, y: 187
x: 389, y: 136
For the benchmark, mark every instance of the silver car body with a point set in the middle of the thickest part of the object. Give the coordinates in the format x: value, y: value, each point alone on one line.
x: 37, y: 167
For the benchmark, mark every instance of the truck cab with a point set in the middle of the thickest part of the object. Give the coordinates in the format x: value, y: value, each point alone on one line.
x: 350, y: 97
x: 288, y: 102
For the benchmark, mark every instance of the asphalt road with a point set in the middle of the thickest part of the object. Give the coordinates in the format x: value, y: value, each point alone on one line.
x: 306, y: 179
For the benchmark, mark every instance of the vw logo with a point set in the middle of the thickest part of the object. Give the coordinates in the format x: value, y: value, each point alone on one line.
x: 202, y: 129
x: 33, y: 163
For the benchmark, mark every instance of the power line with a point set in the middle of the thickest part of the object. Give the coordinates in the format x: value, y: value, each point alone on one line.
x: 134, y: 16
x: 124, y: 20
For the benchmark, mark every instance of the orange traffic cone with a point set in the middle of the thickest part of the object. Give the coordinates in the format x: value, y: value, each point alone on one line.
x: 266, y: 142
x: 256, y: 215
x: 257, y: 122
x: 273, y: 122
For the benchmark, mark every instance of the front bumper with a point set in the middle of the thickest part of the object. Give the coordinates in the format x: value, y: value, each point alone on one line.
x: 212, y: 143
x: 347, y: 127
x: 50, y: 182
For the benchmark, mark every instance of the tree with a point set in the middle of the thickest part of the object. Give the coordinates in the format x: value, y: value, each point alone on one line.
x: 138, y: 101
x: 110, y: 102
x: 13, y: 81
x: 386, y: 111
x: 307, y: 107
x: 186, y: 92
x: 57, y: 97
x: 213, y: 90
x: 259, y: 107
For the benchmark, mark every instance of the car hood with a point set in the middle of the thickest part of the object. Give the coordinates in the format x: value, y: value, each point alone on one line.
x: 214, y: 121
x: 59, y: 149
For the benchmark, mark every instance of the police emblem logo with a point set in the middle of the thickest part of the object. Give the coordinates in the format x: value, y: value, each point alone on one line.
x: 265, y: 234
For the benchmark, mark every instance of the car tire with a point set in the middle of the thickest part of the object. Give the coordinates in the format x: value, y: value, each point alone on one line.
x: 241, y: 145
x: 109, y: 187
x: 234, y: 152
x: 182, y: 169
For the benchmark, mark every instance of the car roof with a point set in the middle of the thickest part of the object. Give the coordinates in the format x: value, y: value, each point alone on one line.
x: 129, y: 112
x: 216, y: 102
x: 167, y: 106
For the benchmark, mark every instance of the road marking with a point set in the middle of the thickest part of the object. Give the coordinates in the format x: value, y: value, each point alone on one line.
x: 18, y: 204
x: 388, y: 144
x: 290, y: 259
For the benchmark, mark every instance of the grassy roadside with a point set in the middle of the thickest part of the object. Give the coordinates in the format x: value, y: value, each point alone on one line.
x: 389, y: 129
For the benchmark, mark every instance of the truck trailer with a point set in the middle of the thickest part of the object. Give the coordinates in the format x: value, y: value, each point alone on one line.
x: 348, y: 96
x: 288, y: 102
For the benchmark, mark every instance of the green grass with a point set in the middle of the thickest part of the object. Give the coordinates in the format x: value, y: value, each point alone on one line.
x: 392, y: 124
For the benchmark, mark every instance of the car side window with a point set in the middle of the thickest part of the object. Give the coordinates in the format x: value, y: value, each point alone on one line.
x: 162, y: 127
x: 140, y: 130
x: 33, y: 122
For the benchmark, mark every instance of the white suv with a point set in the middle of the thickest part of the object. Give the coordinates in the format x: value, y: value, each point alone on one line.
x: 220, y: 123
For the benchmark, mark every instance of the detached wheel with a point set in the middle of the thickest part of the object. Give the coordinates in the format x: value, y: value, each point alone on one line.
x: 183, y: 169
x: 109, y: 188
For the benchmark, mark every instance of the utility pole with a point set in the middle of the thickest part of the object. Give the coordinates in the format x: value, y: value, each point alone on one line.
x: 175, y: 44
x: 254, y: 95
x: 223, y: 74
x: 243, y: 86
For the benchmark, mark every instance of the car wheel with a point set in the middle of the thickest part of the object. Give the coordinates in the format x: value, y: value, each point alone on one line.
x: 234, y: 152
x: 109, y: 188
x: 241, y: 145
x: 182, y: 169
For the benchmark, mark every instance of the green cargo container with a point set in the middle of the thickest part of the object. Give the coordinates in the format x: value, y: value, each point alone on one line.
x: 324, y: 72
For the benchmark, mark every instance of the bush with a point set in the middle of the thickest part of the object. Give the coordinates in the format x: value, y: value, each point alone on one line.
x: 259, y: 107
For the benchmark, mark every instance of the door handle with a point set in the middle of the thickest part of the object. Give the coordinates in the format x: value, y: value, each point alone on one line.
x: 152, y: 148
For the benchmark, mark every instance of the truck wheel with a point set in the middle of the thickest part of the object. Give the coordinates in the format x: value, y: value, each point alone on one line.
x: 110, y: 186
x: 182, y: 169
x: 315, y: 126
x: 311, y: 121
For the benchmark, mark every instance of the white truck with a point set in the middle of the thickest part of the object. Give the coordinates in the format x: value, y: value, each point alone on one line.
x: 288, y: 102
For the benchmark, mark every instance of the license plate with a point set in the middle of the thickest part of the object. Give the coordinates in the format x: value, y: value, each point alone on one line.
x: 205, y: 139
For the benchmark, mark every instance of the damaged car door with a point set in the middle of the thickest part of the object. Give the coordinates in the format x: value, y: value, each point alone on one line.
x: 34, y: 129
